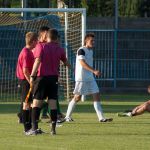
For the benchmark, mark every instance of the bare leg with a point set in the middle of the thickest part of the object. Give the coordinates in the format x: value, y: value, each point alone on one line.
x: 141, y: 109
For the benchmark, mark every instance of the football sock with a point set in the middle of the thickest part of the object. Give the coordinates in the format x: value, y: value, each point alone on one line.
x: 54, y: 118
x: 98, y: 109
x: 44, y: 108
x: 26, y: 120
x: 35, y: 117
x: 71, y: 106
x: 54, y: 115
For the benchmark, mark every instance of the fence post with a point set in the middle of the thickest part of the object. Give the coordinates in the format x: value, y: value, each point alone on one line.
x: 115, y: 41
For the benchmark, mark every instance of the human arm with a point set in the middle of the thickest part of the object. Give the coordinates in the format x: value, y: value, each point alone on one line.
x: 66, y: 63
x: 37, y: 55
x: 26, y: 74
x: 89, y: 68
x: 34, y: 70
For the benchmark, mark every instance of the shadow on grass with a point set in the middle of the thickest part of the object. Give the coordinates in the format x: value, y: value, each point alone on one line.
x: 81, y: 108
x: 88, y: 108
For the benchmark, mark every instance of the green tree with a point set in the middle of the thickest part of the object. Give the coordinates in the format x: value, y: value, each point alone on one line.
x: 84, y: 4
x: 54, y: 3
x: 109, y: 8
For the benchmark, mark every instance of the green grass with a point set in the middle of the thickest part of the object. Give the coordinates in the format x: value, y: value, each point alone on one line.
x: 85, y: 133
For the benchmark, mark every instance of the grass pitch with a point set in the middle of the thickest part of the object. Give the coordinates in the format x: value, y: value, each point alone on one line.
x: 85, y: 133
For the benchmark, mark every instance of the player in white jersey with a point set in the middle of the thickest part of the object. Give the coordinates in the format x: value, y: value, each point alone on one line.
x: 85, y: 81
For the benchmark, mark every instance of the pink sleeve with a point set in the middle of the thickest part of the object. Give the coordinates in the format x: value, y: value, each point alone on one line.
x: 38, y: 51
x: 63, y: 55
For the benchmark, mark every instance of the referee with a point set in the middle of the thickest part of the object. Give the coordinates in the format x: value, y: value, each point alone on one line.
x: 45, y: 73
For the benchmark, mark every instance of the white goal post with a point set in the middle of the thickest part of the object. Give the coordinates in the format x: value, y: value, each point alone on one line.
x: 70, y: 22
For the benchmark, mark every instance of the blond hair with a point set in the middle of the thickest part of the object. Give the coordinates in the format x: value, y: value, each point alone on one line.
x: 30, y: 37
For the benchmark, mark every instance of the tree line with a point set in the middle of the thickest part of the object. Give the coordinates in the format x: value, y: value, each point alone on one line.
x: 135, y: 8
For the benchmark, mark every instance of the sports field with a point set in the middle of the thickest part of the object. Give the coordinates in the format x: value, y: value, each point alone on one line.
x: 85, y: 133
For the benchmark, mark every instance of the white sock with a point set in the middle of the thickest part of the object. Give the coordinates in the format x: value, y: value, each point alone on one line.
x: 98, y: 109
x: 129, y: 114
x: 70, y: 109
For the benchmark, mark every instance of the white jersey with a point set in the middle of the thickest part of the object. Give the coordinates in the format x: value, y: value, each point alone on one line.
x: 82, y: 74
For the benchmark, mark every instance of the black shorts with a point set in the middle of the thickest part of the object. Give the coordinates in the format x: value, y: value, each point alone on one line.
x: 24, y: 89
x: 45, y: 87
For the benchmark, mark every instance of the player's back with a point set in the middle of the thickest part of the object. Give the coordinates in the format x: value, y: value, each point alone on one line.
x: 52, y: 53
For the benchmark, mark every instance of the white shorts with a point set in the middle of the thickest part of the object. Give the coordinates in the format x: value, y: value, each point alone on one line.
x: 86, y: 87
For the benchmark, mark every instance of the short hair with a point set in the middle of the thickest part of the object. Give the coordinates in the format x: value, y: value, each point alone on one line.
x: 53, y: 34
x: 30, y: 37
x: 89, y: 35
x: 43, y: 28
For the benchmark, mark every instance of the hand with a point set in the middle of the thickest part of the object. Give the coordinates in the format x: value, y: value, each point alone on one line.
x: 31, y: 82
x: 97, y: 73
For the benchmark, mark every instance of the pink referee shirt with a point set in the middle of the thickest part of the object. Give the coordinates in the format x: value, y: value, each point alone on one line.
x: 50, y: 54
x: 25, y: 60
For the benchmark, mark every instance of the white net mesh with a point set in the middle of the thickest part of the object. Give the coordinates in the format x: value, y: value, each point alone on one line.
x: 12, y: 32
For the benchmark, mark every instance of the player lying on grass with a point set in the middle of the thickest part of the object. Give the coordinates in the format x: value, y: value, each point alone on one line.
x: 23, y: 71
x: 85, y: 81
x: 139, y: 110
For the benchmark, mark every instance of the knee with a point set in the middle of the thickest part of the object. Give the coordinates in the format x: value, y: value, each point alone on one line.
x: 77, y: 98
x: 26, y: 106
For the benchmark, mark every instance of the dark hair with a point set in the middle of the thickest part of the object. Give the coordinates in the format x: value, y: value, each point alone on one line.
x: 43, y: 28
x: 88, y: 36
x: 53, y: 34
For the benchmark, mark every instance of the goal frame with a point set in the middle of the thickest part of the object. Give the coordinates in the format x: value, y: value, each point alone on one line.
x: 81, y: 10
x: 66, y: 10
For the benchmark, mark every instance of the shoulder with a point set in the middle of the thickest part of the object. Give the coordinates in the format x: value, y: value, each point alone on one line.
x: 40, y: 45
x: 25, y: 51
x: 58, y: 47
x: 81, y: 51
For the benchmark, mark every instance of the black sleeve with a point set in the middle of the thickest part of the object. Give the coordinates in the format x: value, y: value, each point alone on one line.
x: 81, y: 52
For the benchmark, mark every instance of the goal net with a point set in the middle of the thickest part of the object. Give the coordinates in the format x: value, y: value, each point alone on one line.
x: 15, y: 23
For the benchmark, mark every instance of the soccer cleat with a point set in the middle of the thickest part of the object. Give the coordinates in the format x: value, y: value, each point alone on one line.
x: 68, y: 119
x: 45, y: 117
x: 53, y: 132
x: 34, y: 132
x: 122, y: 115
x: 106, y: 120
x: 60, y: 116
x: 39, y: 131
x: 60, y: 120
x: 129, y: 114
x: 31, y: 132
